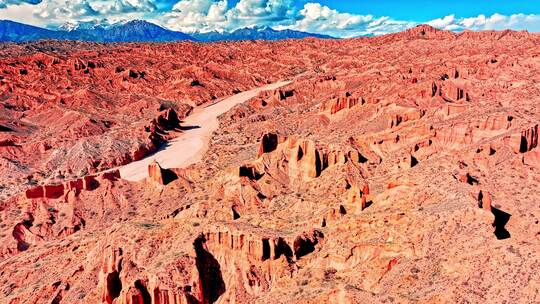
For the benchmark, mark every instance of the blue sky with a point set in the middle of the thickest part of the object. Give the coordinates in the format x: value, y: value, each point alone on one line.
x: 425, y: 10
x: 336, y: 18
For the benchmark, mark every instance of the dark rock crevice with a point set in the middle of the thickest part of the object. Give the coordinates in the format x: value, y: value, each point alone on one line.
x: 114, y: 285
x: 304, y: 244
x: 282, y: 248
x: 266, y: 249
x: 211, y: 281
x: 249, y: 172
x: 169, y: 176
x: 269, y: 143
x: 471, y: 180
x: 501, y: 219
x: 146, y: 298
x: 5, y: 129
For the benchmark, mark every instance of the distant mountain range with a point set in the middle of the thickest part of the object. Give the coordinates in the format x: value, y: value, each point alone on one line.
x: 256, y: 33
x: 136, y: 31
x: 132, y: 31
x: 19, y: 32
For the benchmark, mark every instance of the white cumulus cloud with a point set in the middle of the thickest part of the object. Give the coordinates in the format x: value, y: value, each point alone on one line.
x: 493, y: 22
x: 196, y: 15
x: 51, y: 13
x: 124, y: 6
x: 316, y: 18
x: 208, y: 15
x: 5, y: 3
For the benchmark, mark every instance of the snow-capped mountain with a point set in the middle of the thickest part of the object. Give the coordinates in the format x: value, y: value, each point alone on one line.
x: 137, y: 31
x: 256, y: 33
x: 132, y: 31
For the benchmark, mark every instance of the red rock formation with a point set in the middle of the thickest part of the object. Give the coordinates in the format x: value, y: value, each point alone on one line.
x: 87, y: 183
x: 109, y: 276
x: 155, y: 173
x: 160, y: 175
x: 484, y: 200
x: 264, y: 248
x: 399, y: 115
x: 453, y: 109
x: 357, y: 197
x: 304, y: 159
x: 110, y: 175
x: 53, y: 191
x: 281, y: 94
x: 246, y: 224
x: 449, y: 91
x: 36, y: 192
x: 23, y: 236
x: 497, y: 122
x: 346, y: 102
x: 529, y: 139
x: 269, y: 143
x: 524, y: 141
x: 7, y: 143
x: 166, y: 121
x: 532, y: 158
x: 461, y: 134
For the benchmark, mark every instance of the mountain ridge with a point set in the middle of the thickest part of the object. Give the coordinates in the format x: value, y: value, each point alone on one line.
x: 257, y: 33
x: 138, y: 31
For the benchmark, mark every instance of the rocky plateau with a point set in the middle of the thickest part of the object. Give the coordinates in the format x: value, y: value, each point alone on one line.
x: 403, y: 168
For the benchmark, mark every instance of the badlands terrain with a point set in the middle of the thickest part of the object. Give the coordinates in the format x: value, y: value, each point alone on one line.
x: 398, y: 169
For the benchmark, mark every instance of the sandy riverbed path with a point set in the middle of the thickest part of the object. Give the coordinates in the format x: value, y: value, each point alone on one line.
x: 190, y: 147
